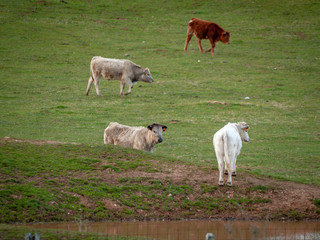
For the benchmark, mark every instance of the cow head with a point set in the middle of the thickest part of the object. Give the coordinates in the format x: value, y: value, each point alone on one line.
x: 225, y: 37
x: 157, y: 130
x: 146, y: 76
x: 243, y: 131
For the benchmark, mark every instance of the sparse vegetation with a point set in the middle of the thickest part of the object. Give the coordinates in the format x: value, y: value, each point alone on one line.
x: 258, y: 188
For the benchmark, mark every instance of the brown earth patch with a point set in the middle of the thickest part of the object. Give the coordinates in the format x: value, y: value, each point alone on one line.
x: 282, y: 200
x: 219, y: 103
x: 37, y: 142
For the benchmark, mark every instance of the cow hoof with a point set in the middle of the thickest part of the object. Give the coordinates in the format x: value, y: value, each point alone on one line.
x: 234, y: 174
x: 226, y: 172
x: 221, y: 183
x: 229, y: 183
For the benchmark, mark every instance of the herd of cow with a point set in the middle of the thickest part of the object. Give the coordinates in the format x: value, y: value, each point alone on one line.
x: 227, y: 141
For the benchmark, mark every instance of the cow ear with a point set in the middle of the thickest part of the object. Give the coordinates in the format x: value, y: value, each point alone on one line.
x: 245, y: 128
x: 164, y: 128
x: 150, y: 127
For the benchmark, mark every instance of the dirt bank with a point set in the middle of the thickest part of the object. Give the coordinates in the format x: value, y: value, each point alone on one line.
x: 124, y: 185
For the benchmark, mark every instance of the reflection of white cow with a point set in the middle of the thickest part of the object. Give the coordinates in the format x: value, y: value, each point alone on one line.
x: 227, y: 143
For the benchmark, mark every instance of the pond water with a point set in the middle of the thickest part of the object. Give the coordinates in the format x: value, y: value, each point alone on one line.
x: 195, y: 230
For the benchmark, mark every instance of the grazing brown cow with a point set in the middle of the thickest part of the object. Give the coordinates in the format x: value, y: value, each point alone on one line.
x: 206, y: 30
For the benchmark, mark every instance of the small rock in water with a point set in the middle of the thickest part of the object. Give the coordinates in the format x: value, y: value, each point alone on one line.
x: 209, y: 236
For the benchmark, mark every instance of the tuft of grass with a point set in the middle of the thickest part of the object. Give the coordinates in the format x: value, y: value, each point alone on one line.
x: 209, y: 189
x: 259, y: 188
x: 316, y: 202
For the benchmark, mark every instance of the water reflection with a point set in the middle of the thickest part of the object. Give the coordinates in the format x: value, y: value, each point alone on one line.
x: 196, y: 230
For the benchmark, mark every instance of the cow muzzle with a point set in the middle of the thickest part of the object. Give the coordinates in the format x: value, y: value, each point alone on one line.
x: 160, y: 140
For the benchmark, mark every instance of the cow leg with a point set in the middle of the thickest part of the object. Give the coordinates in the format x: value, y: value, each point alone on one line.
x: 220, y: 165
x: 96, y: 84
x: 229, y: 161
x: 212, y: 43
x: 225, y: 168
x: 189, y: 36
x: 229, y: 183
x: 90, y: 81
x: 129, y: 91
x: 199, y: 44
x: 234, y: 171
x: 122, y: 84
x: 130, y: 88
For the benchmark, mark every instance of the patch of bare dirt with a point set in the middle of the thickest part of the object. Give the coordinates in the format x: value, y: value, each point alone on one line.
x: 37, y: 142
x: 282, y: 200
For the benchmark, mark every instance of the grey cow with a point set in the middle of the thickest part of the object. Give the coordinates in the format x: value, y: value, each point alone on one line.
x: 134, y: 137
x: 115, y: 69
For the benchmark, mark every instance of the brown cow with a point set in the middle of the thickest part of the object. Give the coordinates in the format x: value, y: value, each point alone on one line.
x: 206, y: 30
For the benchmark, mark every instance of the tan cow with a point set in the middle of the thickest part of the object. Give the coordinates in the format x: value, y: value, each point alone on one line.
x: 126, y: 71
x: 134, y: 137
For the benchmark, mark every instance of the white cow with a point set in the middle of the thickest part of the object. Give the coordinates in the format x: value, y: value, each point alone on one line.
x: 126, y: 71
x: 227, y: 143
x: 134, y: 137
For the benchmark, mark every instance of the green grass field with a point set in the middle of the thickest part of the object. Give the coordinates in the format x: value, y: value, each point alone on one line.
x: 273, y: 58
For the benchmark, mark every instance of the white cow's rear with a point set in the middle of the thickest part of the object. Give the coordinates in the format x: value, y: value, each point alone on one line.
x: 227, y: 143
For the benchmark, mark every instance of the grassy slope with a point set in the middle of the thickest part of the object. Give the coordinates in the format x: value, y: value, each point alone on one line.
x: 273, y: 58
x: 97, y: 183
